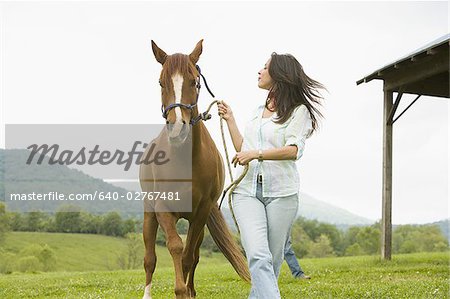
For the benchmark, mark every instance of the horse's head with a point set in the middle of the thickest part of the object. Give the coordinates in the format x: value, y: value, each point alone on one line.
x: 179, y: 82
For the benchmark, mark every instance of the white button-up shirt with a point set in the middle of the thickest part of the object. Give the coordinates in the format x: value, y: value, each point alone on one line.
x: 280, y: 177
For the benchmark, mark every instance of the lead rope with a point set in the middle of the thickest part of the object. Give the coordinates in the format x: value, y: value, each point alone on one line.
x: 235, y: 183
x: 205, y: 116
x: 233, y: 186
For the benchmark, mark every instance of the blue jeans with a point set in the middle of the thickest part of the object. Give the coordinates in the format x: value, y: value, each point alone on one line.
x: 264, y: 223
x: 291, y: 259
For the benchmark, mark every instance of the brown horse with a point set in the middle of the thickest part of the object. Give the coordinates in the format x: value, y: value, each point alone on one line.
x: 192, y: 151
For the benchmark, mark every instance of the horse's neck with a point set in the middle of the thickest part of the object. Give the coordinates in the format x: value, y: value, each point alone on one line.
x: 201, y: 140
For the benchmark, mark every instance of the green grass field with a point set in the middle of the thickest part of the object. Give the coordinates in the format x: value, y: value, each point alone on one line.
x: 422, y: 275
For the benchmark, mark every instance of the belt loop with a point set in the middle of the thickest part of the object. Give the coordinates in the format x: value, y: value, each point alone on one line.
x: 259, y: 179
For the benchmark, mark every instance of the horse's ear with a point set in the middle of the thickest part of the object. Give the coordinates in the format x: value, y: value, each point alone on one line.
x: 160, y: 55
x: 195, y: 55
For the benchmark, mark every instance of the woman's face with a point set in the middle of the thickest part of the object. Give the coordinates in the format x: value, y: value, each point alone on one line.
x: 264, y: 79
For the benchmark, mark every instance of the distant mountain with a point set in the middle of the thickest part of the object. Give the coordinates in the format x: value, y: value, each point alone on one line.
x: 311, y: 208
x: 45, y: 178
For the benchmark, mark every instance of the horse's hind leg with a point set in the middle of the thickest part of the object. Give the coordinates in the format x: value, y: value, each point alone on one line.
x: 190, y: 282
x: 175, y: 246
x: 150, y: 229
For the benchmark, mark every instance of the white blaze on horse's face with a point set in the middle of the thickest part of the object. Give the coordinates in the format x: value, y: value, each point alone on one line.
x: 177, y: 81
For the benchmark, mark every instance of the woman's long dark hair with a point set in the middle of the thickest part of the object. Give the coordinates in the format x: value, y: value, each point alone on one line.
x: 291, y: 88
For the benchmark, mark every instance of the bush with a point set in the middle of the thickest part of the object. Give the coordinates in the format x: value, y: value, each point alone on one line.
x: 129, y: 226
x: 68, y: 219
x: 90, y: 224
x: 16, y: 221
x: 369, y: 239
x: 424, y: 238
x: 4, y: 222
x: 29, y: 264
x: 440, y: 246
x: 112, y: 225
x: 354, y: 249
x: 301, y: 242
x: 7, y: 264
x: 31, y: 250
x: 35, y: 221
x: 322, y: 247
x: 132, y: 256
x: 43, y: 253
x: 47, y: 258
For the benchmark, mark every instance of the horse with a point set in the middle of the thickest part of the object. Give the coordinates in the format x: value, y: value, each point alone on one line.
x: 184, y: 133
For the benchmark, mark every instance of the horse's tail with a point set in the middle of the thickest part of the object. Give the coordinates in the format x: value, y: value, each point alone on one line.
x: 224, y: 239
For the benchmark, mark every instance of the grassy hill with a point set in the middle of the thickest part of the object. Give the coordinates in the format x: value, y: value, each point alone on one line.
x: 73, y: 252
x: 85, y: 252
x: 424, y: 275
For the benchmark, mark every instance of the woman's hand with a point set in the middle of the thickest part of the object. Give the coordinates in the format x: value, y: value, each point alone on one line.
x: 224, y: 110
x: 244, y: 158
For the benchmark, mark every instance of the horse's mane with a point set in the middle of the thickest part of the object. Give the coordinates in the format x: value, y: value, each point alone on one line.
x: 177, y: 63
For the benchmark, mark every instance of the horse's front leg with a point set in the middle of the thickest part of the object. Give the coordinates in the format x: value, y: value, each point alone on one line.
x: 174, y: 244
x: 150, y: 229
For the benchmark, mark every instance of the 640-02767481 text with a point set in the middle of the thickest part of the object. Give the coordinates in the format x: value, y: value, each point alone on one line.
x: 102, y: 196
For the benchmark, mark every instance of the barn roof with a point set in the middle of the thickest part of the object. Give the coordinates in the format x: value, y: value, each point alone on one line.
x: 424, y: 71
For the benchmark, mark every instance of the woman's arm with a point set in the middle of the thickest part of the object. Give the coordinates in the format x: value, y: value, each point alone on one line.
x: 288, y: 152
x: 227, y: 114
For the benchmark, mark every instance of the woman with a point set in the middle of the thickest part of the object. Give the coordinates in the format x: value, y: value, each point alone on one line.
x: 266, y: 200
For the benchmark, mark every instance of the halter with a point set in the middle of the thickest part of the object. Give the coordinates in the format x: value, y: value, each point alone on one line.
x: 201, y: 116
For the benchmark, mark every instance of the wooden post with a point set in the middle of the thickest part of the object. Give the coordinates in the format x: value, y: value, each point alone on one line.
x: 386, y: 220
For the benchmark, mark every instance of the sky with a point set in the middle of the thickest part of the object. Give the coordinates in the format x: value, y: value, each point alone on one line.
x: 92, y: 63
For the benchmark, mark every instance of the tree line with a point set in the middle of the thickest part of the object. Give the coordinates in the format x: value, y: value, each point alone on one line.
x: 316, y: 239
x: 70, y: 219
x: 310, y: 238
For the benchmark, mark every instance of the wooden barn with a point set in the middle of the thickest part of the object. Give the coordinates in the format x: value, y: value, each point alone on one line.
x: 424, y: 72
